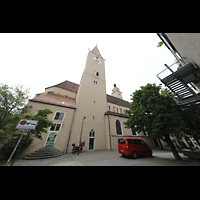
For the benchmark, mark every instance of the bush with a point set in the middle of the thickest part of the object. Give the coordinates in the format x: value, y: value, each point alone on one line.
x: 7, y: 148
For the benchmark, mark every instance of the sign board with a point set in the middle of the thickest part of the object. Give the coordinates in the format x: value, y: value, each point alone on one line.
x: 26, y: 124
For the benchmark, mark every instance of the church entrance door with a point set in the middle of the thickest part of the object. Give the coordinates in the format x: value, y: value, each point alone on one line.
x: 91, y: 140
x: 91, y: 143
x: 51, y: 139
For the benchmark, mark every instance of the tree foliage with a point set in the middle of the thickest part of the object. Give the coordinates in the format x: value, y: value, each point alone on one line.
x: 160, y: 44
x: 153, y: 110
x: 13, y: 108
x: 8, y: 147
x: 12, y: 105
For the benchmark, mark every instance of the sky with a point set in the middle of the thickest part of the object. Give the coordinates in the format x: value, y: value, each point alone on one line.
x: 40, y: 60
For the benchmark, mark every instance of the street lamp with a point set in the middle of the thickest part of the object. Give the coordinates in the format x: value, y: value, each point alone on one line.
x: 81, y: 134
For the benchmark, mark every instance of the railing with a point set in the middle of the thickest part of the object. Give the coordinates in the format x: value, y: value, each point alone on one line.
x: 167, y: 71
x: 179, y: 81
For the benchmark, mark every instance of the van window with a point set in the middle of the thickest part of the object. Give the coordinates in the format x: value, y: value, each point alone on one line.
x: 138, y: 142
x: 143, y: 142
x: 121, y: 141
x: 131, y: 141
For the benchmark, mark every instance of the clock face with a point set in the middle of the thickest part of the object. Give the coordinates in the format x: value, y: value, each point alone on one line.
x: 96, y: 60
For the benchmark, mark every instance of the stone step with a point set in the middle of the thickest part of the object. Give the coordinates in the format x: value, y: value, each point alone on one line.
x: 40, y: 157
x: 54, y: 151
x: 45, y: 152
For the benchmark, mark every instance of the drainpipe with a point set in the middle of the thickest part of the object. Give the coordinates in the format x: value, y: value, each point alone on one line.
x: 71, y: 124
x: 109, y: 131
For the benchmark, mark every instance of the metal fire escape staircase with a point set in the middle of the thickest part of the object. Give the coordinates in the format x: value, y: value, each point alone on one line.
x: 179, y: 82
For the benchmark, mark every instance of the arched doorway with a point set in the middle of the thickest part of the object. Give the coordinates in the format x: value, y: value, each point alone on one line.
x: 91, y: 139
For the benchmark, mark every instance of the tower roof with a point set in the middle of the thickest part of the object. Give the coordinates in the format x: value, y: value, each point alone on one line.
x: 95, y: 48
x: 67, y: 85
x: 96, y: 51
x: 118, y: 101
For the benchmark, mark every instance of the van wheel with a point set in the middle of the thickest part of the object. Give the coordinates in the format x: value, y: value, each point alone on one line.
x: 134, y: 155
x: 150, y: 154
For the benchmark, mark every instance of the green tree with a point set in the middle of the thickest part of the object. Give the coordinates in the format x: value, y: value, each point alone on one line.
x: 12, y: 104
x: 8, y: 147
x: 153, y: 110
x: 160, y: 44
x: 13, y: 108
x: 43, y: 123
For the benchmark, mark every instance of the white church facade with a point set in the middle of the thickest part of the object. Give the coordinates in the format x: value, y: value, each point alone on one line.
x: 86, y: 104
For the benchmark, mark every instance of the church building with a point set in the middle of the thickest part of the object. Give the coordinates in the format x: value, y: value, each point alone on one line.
x: 85, y: 106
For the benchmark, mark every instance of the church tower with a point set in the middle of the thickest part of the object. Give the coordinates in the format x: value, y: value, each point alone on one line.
x: 116, y: 92
x: 91, y: 104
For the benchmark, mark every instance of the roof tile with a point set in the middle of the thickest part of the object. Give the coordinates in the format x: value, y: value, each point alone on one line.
x: 67, y: 85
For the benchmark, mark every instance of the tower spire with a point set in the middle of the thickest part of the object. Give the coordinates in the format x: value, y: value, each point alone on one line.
x: 116, y: 92
x: 95, y: 48
x: 96, y: 51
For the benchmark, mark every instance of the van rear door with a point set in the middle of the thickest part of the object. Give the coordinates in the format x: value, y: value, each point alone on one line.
x: 122, y: 146
x: 145, y: 147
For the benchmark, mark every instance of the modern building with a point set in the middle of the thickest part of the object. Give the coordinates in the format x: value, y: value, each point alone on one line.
x: 86, y: 107
x: 184, y: 80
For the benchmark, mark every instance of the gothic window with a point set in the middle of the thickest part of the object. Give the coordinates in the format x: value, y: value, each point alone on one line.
x: 118, y: 127
x: 92, y: 133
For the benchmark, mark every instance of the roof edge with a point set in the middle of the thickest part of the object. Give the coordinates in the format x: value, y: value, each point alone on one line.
x: 51, y: 103
x: 60, y: 84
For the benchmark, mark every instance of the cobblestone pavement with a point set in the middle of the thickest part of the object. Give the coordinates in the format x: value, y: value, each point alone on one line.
x: 110, y: 158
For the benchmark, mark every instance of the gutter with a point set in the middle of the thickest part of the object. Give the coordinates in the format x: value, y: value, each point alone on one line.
x: 171, y: 47
x: 109, y: 132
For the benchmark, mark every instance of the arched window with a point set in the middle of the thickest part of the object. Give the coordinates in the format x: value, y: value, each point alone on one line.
x: 118, y: 127
x: 92, y: 133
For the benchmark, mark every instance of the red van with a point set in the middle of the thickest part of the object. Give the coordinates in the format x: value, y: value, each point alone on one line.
x: 133, y: 147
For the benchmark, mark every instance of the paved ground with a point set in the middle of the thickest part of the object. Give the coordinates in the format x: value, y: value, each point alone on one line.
x: 110, y: 158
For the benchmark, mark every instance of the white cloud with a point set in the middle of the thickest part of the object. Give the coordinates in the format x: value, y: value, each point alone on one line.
x: 39, y: 60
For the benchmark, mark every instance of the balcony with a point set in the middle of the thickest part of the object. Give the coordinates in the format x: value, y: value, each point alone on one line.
x: 180, y: 82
